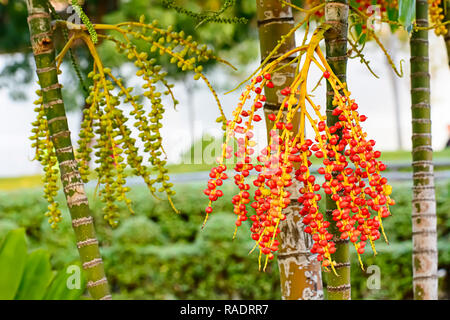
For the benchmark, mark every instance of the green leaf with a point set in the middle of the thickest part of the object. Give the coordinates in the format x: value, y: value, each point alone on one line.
x: 361, y: 37
x: 36, y: 277
x: 407, y: 13
x: 62, y: 287
x: 392, y: 14
x: 13, y: 256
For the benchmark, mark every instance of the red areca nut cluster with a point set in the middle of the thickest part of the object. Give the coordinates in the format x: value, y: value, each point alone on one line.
x: 242, y: 125
x: 351, y: 169
x: 358, y: 189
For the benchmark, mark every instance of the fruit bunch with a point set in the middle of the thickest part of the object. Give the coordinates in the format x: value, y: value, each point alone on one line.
x: 46, y: 156
x: 106, y: 130
x: 436, y: 13
x: 351, y: 167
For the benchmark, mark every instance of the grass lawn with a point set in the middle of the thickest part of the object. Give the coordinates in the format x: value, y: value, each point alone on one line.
x: 7, y: 184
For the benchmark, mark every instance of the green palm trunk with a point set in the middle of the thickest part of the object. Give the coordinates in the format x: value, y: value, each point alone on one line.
x: 424, y: 201
x: 336, y: 14
x: 300, y: 272
x: 82, y: 221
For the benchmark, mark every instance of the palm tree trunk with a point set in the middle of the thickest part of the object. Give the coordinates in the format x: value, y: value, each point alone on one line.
x: 336, y: 14
x: 300, y: 272
x: 82, y: 221
x: 425, y: 281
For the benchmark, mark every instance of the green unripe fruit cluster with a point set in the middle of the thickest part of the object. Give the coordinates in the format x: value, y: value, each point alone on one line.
x: 106, y: 129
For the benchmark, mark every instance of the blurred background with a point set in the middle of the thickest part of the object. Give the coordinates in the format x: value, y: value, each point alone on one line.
x: 157, y: 254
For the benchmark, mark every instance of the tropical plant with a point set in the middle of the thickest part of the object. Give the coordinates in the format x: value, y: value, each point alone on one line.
x: 115, y: 147
x: 361, y: 195
x: 53, y: 124
x: 29, y: 276
x: 300, y: 274
x: 277, y: 161
x: 357, y: 194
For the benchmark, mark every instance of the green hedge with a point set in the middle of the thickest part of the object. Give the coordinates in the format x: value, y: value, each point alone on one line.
x: 158, y: 254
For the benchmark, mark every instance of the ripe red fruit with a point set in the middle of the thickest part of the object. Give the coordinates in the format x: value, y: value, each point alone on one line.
x: 286, y: 91
x: 352, y: 173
